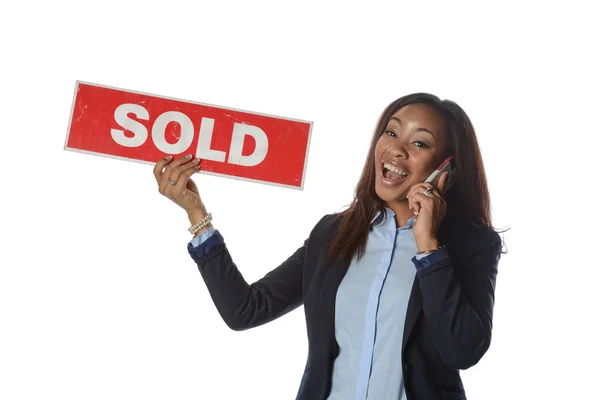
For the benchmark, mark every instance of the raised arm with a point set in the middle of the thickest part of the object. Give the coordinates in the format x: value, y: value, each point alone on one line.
x: 241, y: 305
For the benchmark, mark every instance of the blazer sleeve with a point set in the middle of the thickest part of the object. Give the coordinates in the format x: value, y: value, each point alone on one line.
x: 458, y: 300
x: 242, y: 305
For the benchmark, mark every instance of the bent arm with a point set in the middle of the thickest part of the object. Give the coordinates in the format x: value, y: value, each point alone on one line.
x: 459, y: 306
x: 242, y: 305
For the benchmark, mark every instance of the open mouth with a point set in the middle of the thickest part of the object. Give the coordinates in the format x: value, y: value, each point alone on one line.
x: 392, y: 175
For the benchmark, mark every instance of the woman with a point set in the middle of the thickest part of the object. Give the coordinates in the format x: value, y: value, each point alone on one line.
x: 398, y: 290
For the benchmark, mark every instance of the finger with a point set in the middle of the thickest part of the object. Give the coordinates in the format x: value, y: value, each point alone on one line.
x: 180, y: 190
x: 176, y: 174
x: 435, y: 193
x: 182, y: 194
x: 418, y: 188
x: 414, y: 203
x: 428, y: 200
x: 191, y: 185
x: 442, y: 182
x: 159, y: 166
x: 415, y: 206
x: 424, y: 202
x: 164, y: 182
x: 185, y: 176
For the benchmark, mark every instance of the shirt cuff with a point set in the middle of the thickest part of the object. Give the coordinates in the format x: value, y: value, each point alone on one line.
x: 198, y: 240
x: 204, y: 243
x: 427, y: 260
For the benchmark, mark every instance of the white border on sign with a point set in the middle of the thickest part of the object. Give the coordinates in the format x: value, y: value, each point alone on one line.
x: 77, y: 83
x: 71, y: 116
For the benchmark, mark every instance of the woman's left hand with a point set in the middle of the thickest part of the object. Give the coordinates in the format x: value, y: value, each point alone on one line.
x: 430, y: 211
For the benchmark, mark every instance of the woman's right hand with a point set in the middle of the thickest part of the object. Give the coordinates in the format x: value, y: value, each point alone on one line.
x: 182, y: 190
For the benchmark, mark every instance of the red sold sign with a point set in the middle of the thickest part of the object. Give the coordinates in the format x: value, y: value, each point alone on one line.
x: 142, y: 127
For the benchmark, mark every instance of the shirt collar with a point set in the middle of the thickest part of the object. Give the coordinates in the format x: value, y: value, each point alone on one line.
x: 391, y: 215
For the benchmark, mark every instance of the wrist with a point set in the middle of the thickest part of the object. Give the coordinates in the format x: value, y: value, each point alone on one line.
x: 201, y: 231
x: 197, y: 215
x: 430, y: 243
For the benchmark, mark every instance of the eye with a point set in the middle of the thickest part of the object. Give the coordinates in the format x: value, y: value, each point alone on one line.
x: 390, y: 133
x: 420, y: 144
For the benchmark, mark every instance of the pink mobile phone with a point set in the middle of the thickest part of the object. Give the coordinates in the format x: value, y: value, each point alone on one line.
x: 446, y: 166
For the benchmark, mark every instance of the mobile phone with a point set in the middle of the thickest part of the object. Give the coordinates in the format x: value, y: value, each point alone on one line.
x: 446, y: 166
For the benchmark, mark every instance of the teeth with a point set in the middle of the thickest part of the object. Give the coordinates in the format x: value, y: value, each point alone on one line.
x: 395, y: 169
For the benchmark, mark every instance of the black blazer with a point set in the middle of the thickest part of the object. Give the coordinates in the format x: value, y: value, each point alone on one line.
x: 448, y: 323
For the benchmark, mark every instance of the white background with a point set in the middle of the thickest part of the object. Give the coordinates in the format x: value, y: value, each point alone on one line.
x: 99, y: 298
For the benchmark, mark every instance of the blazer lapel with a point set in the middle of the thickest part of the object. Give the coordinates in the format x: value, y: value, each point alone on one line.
x: 415, y: 305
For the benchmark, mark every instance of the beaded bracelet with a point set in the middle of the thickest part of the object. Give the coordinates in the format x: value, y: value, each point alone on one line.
x: 200, y: 225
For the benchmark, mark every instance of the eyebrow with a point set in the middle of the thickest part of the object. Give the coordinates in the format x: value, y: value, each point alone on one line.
x: 418, y: 129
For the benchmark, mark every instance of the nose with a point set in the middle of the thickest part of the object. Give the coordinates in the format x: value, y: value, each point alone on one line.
x: 398, y: 151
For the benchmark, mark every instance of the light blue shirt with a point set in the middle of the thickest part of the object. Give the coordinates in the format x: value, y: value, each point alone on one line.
x: 370, y: 310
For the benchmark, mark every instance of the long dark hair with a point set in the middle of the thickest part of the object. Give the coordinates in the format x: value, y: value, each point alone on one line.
x: 468, y: 200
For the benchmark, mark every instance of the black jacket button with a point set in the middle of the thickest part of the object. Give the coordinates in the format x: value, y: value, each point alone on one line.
x: 407, y: 368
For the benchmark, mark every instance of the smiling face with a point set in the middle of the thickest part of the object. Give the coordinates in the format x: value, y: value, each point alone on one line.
x: 413, y: 144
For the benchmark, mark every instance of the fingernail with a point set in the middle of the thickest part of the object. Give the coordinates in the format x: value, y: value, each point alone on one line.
x: 195, y: 161
x: 168, y: 157
x: 188, y: 156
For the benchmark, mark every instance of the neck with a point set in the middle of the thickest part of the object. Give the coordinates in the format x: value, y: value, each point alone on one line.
x: 403, y: 213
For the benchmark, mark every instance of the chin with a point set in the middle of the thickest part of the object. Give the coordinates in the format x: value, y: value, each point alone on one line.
x: 388, y: 194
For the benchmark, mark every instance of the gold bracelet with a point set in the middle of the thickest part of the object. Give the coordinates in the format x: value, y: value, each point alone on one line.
x: 428, y: 251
